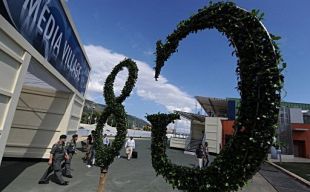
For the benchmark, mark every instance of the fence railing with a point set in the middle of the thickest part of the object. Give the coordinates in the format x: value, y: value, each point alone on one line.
x: 193, y: 144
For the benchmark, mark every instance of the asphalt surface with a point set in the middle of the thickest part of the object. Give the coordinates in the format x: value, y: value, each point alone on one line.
x: 136, y: 175
x: 281, y: 181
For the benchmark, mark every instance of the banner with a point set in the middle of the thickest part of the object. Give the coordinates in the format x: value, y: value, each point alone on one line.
x: 44, y: 24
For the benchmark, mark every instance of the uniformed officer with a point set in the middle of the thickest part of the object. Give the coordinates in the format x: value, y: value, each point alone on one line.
x: 71, y: 149
x: 58, y: 154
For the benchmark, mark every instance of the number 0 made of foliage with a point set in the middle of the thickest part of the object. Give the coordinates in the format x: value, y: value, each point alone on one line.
x: 106, y: 154
x: 259, y: 83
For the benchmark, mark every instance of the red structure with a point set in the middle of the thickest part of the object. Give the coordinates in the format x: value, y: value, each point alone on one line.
x: 228, y: 130
x: 216, y: 126
x: 301, y: 139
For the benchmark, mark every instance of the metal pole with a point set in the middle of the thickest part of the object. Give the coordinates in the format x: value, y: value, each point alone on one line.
x: 279, y: 150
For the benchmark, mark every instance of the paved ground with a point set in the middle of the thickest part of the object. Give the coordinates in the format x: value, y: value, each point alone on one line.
x: 136, y: 175
x: 295, y: 160
x: 281, y: 181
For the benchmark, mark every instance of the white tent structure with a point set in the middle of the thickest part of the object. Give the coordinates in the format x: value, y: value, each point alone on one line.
x: 43, y: 76
x: 85, y: 130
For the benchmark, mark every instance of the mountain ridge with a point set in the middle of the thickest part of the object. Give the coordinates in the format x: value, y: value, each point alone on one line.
x: 91, y: 107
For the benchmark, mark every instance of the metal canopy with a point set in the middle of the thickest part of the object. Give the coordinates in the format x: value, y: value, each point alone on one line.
x: 213, y: 106
x: 191, y: 116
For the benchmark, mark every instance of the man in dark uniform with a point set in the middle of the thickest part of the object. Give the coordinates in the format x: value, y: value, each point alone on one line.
x: 58, y: 154
x: 71, y: 149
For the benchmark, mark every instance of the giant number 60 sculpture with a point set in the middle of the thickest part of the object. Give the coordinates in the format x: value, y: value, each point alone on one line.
x: 259, y: 83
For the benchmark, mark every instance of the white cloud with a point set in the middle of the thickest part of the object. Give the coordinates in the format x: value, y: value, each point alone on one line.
x: 161, y: 92
x: 149, y: 52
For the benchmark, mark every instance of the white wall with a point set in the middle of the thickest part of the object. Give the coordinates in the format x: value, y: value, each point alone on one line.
x: 213, y: 133
x: 38, y: 123
x: 14, y: 61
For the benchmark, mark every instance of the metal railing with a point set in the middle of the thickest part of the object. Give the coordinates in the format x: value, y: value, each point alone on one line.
x: 193, y: 144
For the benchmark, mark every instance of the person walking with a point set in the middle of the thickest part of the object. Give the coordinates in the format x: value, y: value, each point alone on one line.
x: 130, y: 146
x: 199, y: 155
x: 91, y: 150
x: 71, y: 149
x: 89, y: 143
x: 205, y: 155
x: 57, y: 155
x: 106, y: 141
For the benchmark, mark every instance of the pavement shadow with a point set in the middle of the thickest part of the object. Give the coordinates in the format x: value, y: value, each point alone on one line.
x: 123, y: 157
x: 10, y: 169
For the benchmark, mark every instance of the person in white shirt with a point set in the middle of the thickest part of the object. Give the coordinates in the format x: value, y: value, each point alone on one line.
x: 106, y: 141
x: 130, y: 146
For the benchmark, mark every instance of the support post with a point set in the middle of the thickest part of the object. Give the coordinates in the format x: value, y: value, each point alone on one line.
x: 102, y: 179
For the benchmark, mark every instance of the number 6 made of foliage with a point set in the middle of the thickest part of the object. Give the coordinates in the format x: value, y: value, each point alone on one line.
x: 259, y: 83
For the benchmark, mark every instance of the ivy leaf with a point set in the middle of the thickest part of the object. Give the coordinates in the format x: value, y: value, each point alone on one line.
x: 275, y: 38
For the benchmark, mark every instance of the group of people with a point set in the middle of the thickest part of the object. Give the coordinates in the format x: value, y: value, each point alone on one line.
x: 202, y: 154
x: 60, y: 160
x: 90, y: 155
x: 62, y: 152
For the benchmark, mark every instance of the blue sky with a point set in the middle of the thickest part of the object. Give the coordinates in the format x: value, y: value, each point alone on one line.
x: 112, y: 29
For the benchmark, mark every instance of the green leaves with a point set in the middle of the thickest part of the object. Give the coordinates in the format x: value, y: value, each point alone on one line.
x: 105, y: 155
x: 260, y: 81
x: 258, y: 14
x: 275, y: 38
